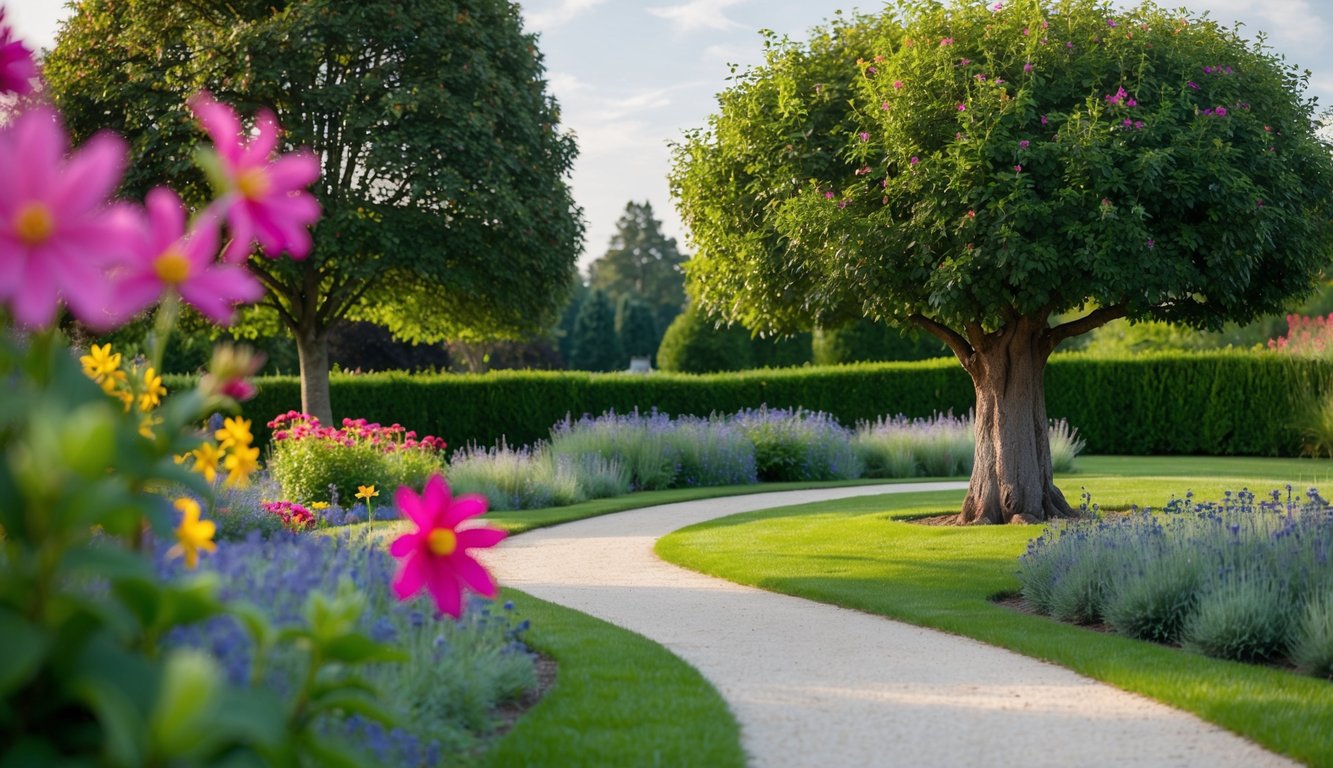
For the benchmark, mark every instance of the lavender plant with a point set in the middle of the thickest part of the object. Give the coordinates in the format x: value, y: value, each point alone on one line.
x: 1239, y: 579
x: 515, y: 478
x: 452, y: 676
x: 796, y: 444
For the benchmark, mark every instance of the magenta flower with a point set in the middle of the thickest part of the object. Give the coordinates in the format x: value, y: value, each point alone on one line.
x: 17, y: 69
x: 1193, y: 85
x: 897, y: 85
x: 265, y: 199
x: 946, y: 41
x: 863, y: 136
x: 884, y: 106
x: 1043, y: 119
x: 58, y: 237
x: 435, y: 556
x: 1027, y: 66
x: 1112, y: 23
x: 1024, y: 144
x: 914, y: 160
x: 1151, y: 244
x: 1018, y: 169
x: 962, y: 107
x: 171, y: 259
x: 828, y: 195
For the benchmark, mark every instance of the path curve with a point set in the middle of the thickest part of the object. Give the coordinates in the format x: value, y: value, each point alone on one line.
x: 816, y: 685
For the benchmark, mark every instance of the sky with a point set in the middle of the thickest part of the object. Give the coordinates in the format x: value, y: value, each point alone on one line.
x: 632, y: 75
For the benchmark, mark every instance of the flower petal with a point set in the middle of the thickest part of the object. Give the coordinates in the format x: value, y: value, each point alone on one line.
x: 444, y: 587
x: 435, y: 498
x: 473, y: 574
x: 404, y: 545
x: 411, y: 577
x: 92, y: 175
x: 480, y: 537
x: 465, y: 508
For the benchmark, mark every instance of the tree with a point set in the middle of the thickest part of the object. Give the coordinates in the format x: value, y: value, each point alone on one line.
x: 694, y: 343
x: 636, y: 328
x: 642, y: 262
x: 595, y: 346
x: 446, y: 214
x: 975, y: 172
x: 867, y: 341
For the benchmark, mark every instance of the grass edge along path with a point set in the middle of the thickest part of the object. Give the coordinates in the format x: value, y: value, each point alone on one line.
x: 618, y: 699
x: 855, y: 553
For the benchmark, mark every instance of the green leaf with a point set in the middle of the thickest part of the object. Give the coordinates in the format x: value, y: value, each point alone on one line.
x: 357, y: 648
x: 24, y: 648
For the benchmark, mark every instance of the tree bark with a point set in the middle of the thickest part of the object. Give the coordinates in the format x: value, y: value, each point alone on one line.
x: 1012, y: 478
x: 312, y: 349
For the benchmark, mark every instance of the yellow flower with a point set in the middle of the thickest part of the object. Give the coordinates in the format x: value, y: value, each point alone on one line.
x: 235, y: 433
x: 240, y: 463
x: 181, y: 458
x: 366, y: 492
x: 103, y: 367
x: 146, y: 425
x: 317, y: 505
x: 193, y: 534
x: 206, y: 459
x: 126, y: 398
x: 152, y: 393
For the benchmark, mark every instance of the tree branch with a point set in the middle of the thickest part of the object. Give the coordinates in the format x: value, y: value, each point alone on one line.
x: 961, y: 348
x: 1094, y: 319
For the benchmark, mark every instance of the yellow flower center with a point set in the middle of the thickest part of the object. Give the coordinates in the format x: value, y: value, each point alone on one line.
x: 172, y: 267
x: 34, y: 224
x: 442, y: 542
x: 253, y: 183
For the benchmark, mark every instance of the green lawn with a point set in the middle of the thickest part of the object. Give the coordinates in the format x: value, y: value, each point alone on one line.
x: 858, y: 553
x: 618, y: 699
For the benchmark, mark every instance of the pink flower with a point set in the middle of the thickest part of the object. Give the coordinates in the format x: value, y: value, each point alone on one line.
x: 914, y: 160
x: 1151, y: 244
x: 169, y: 258
x: 962, y: 107
x: 863, y: 136
x: 435, y: 556
x: 1024, y: 144
x: 897, y: 85
x: 1193, y: 85
x: 265, y: 200
x: 1018, y: 169
x: 946, y: 41
x: 828, y: 195
x: 58, y: 237
x: 1027, y: 66
x: 1043, y: 119
x: 17, y: 69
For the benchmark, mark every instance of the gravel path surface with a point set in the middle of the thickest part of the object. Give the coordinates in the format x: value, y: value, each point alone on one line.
x: 816, y: 685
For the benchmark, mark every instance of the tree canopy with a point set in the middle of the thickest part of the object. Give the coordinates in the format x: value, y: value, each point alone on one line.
x: 642, y: 261
x: 963, y: 165
x: 446, y: 212
x: 980, y: 171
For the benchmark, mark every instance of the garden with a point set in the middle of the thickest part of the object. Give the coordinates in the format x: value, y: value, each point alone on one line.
x: 205, y: 567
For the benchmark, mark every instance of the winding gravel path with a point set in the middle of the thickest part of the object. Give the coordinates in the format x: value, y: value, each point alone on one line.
x: 816, y: 685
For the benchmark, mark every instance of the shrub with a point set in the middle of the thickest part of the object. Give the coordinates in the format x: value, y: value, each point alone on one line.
x: 694, y: 344
x: 940, y: 446
x: 1238, y: 579
x: 794, y: 444
x: 311, y: 462
x: 443, y: 694
x: 1312, y: 647
x: 524, y: 478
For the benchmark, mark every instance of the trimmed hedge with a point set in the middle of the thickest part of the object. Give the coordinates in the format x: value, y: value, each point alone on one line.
x: 1230, y: 403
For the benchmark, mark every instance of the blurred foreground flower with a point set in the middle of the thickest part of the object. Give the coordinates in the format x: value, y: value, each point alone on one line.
x: 265, y: 199
x: 17, y: 69
x: 435, y: 556
x: 58, y: 237
x: 193, y: 534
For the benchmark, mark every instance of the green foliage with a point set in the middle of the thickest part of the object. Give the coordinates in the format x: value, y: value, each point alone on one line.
x: 880, y: 170
x: 1244, y: 618
x: 636, y: 327
x: 595, y: 346
x: 642, y: 262
x: 564, y: 331
x: 1217, y: 403
x: 864, y: 341
x: 693, y: 343
x: 320, y: 467
x: 1154, y: 604
x: 782, y: 351
x: 1313, y: 648
x: 446, y: 211
x: 85, y: 679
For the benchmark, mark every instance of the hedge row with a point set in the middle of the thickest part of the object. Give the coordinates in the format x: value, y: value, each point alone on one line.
x: 1207, y: 403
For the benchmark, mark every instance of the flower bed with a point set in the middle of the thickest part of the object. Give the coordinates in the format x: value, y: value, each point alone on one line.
x: 1243, y: 579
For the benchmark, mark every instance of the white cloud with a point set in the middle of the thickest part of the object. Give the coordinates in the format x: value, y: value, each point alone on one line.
x: 698, y: 14
x: 1295, y: 22
x: 558, y: 15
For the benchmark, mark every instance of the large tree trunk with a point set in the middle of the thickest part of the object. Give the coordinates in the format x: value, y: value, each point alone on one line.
x: 312, y: 348
x: 1011, y: 471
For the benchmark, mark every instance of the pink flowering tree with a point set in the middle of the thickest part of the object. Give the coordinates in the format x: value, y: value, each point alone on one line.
x: 446, y: 212
x: 1005, y: 179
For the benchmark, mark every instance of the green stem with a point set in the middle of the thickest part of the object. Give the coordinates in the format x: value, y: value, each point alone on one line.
x: 167, y: 312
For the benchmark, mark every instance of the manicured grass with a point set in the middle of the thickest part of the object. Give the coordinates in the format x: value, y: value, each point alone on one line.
x: 618, y: 699
x: 520, y: 520
x: 858, y: 553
